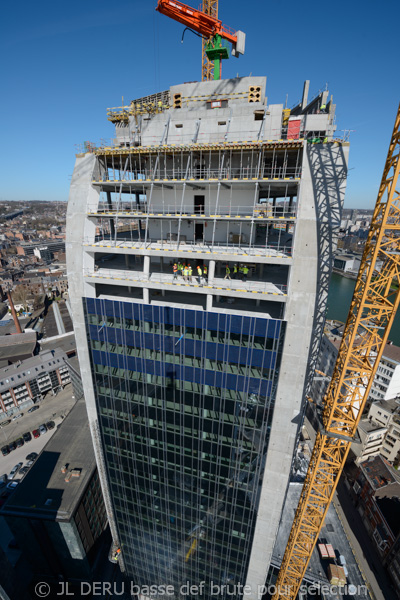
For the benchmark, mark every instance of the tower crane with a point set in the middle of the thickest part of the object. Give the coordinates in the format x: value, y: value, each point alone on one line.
x: 372, y: 311
x: 210, y: 7
x: 206, y: 23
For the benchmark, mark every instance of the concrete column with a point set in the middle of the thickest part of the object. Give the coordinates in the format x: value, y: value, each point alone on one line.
x: 109, y: 204
x: 146, y: 266
x: 209, y: 301
x: 146, y: 296
x: 211, y: 270
x: 127, y: 261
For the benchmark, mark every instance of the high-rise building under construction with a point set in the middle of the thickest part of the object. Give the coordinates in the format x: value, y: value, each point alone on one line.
x: 199, y: 249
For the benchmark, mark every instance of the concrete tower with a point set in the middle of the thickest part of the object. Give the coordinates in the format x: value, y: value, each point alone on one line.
x: 195, y: 387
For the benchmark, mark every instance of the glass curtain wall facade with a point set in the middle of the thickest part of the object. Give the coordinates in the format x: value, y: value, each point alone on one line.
x: 185, y: 400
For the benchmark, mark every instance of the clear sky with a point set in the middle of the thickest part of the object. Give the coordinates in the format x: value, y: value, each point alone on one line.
x: 65, y: 63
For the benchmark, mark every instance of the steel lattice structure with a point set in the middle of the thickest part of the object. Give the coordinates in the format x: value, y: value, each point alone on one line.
x: 372, y: 311
x: 210, y: 7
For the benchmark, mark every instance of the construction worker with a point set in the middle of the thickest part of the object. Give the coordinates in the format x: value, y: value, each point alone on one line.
x: 199, y: 274
x: 322, y: 108
x: 227, y: 273
x: 175, y: 271
x: 160, y: 105
x: 245, y: 271
x: 185, y: 273
x: 205, y: 271
x: 190, y: 273
x: 235, y: 270
x: 179, y: 268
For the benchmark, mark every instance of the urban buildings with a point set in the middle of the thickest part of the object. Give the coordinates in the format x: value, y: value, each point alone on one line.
x: 194, y: 381
x: 57, y: 513
x: 377, y: 495
x: 24, y: 383
x: 379, y: 430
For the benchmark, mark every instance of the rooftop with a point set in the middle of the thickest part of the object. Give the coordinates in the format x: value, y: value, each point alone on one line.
x: 392, y: 352
x: 18, y: 346
x: 389, y: 405
x: 378, y: 472
x: 44, y: 493
x: 368, y: 426
x: 65, y: 342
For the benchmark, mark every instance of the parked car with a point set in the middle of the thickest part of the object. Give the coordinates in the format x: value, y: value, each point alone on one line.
x: 50, y: 424
x: 32, y: 456
x: 31, y: 410
x: 5, y: 450
x: 3, y: 479
x: 23, y: 471
x: 12, y: 485
x: 42, y: 429
x: 36, y: 433
x: 15, y: 417
x: 4, y: 423
x: 15, y: 470
x: 27, y: 437
x: 19, y: 442
x: 12, y: 446
x: 29, y: 463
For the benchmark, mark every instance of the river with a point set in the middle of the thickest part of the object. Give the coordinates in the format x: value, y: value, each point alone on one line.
x: 340, y: 294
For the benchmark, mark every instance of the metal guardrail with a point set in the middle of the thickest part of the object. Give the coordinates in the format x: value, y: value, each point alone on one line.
x: 267, y: 250
x: 201, y: 174
x: 265, y: 211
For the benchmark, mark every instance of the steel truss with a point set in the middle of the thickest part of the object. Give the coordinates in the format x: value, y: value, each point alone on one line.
x: 210, y: 7
x: 372, y: 311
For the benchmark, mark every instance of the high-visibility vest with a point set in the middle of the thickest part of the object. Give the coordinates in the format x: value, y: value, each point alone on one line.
x: 205, y: 270
x: 228, y: 270
x: 235, y: 268
x: 190, y: 271
x: 186, y: 271
x: 245, y: 270
x: 175, y: 268
x: 199, y: 271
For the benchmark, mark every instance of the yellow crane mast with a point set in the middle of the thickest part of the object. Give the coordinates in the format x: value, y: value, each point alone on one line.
x: 372, y: 311
x: 210, y: 7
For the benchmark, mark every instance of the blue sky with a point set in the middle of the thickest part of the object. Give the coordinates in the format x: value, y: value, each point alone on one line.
x: 64, y: 63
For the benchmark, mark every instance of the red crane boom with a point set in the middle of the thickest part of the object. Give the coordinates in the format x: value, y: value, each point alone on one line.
x: 196, y: 20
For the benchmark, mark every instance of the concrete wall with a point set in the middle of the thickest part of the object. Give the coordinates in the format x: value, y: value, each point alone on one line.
x: 235, y: 122
x: 222, y: 235
x: 301, y: 308
x: 79, y: 228
x: 227, y: 198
